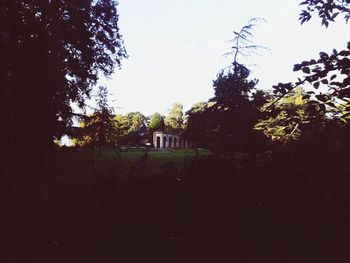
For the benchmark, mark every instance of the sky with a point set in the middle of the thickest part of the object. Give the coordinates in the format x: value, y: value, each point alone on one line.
x: 176, y: 48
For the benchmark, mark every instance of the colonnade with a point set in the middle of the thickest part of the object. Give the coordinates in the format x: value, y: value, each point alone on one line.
x: 164, y: 140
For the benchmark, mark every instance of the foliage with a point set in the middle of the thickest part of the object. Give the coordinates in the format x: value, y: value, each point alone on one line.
x: 330, y: 70
x: 199, y: 128
x: 98, y: 129
x: 326, y: 10
x: 131, y: 128
x: 291, y: 118
x: 156, y: 122
x: 235, y: 111
x: 341, y: 113
x: 52, y: 53
x: 175, y: 118
x: 225, y: 123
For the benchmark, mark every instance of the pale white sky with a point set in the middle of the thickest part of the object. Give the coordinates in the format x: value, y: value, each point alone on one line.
x: 176, y: 48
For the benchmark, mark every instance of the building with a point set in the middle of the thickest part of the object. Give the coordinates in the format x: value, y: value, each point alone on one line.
x: 166, y: 140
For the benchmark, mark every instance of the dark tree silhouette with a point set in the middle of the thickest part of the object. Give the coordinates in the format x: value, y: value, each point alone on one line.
x: 52, y: 53
x: 225, y: 124
x: 234, y: 111
x: 198, y: 128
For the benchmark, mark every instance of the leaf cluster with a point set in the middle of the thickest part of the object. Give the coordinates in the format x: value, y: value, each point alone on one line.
x: 327, y: 10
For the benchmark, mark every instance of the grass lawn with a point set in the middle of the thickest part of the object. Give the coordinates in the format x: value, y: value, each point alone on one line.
x: 155, y: 157
x: 153, y: 161
x: 133, y: 154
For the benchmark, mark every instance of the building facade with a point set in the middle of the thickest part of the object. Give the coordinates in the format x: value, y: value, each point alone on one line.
x: 167, y: 140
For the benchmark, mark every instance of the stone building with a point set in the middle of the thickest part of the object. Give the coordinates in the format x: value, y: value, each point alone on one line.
x: 166, y: 140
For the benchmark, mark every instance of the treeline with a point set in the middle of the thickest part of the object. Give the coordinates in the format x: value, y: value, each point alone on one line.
x: 105, y: 128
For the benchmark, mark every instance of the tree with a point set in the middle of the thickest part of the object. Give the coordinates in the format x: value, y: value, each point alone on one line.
x: 175, y: 118
x: 235, y: 109
x: 294, y: 116
x: 131, y: 128
x: 98, y: 129
x: 52, y: 53
x: 243, y: 44
x: 225, y: 123
x: 199, y: 128
x: 330, y: 69
x: 156, y: 122
x: 235, y: 113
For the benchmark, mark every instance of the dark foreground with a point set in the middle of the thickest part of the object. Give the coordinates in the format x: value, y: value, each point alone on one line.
x: 209, y: 209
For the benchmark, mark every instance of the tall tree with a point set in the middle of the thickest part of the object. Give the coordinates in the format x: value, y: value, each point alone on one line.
x: 52, y: 53
x: 235, y: 113
x: 234, y: 108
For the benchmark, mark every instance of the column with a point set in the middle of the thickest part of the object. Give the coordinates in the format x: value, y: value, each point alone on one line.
x: 167, y: 142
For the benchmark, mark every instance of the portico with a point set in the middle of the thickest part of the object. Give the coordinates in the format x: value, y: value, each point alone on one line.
x: 166, y: 140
